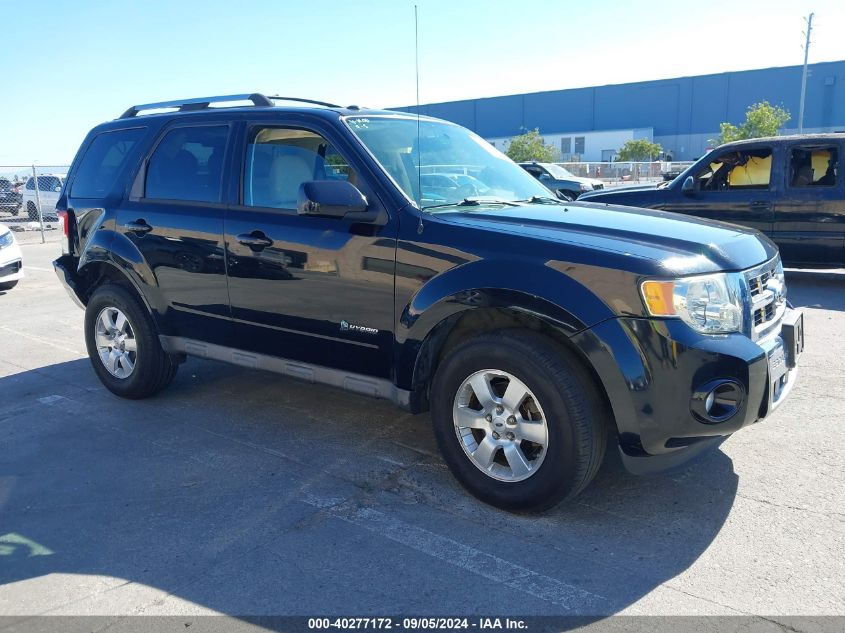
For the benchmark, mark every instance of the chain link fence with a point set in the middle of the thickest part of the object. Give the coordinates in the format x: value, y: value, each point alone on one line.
x: 621, y: 173
x: 28, y: 196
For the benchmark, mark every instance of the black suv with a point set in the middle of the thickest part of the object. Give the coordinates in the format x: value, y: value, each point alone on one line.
x: 788, y: 187
x: 298, y: 239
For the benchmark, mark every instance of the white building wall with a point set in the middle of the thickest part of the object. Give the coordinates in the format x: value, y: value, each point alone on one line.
x: 598, y: 145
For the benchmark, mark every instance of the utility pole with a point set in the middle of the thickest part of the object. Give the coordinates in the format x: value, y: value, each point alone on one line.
x: 809, y: 21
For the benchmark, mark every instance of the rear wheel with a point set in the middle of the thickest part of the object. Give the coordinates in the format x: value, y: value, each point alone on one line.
x: 123, y: 344
x: 32, y: 210
x: 518, y: 420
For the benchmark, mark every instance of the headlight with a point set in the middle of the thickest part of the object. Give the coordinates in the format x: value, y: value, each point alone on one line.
x: 710, y: 304
x: 6, y: 239
x: 585, y: 186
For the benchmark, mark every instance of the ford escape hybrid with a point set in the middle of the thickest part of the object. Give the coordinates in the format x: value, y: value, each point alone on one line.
x: 301, y: 237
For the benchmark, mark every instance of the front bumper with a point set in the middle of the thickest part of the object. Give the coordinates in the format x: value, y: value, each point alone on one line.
x: 656, y: 374
x: 11, y: 263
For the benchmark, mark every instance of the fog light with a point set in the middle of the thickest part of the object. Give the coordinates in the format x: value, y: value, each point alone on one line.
x: 717, y: 401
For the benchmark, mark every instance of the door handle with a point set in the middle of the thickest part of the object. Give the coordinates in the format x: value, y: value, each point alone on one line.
x: 138, y: 226
x: 255, y: 240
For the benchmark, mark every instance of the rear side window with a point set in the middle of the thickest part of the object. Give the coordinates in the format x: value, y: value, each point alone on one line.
x: 188, y: 164
x: 46, y: 183
x: 814, y: 167
x: 103, y: 160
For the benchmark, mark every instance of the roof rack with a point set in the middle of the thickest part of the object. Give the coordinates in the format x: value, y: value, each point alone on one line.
x: 201, y: 103
x: 300, y: 100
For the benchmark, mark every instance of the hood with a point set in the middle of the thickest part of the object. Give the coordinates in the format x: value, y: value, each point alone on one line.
x: 578, y: 179
x: 645, y: 241
x: 623, y: 189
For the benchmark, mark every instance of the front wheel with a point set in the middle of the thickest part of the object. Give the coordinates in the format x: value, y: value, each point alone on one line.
x: 123, y: 344
x: 518, y: 420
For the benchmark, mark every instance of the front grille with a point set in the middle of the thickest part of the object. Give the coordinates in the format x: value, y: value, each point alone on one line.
x: 767, y: 292
x: 10, y: 269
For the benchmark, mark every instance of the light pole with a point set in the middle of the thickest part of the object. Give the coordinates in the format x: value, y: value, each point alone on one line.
x: 804, y: 75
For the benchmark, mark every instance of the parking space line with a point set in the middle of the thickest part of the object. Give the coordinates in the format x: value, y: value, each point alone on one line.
x: 460, y: 555
x: 41, y: 340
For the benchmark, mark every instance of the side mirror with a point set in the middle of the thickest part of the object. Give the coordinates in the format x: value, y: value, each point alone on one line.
x: 329, y: 198
x: 689, y: 186
x: 57, y: 189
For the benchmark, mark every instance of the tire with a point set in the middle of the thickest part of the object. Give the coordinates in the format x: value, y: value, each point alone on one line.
x: 560, y: 394
x: 31, y: 210
x: 152, y: 369
x: 8, y: 285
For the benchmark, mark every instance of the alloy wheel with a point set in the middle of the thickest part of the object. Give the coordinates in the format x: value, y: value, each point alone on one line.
x: 500, y: 425
x: 115, y: 341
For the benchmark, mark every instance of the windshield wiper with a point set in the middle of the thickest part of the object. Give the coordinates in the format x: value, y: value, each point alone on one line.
x: 472, y: 202
x: 541, y: 200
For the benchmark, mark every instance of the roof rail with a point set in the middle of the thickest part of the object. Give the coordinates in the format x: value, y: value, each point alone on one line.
x: 300, y: 100
x: 199, y: 103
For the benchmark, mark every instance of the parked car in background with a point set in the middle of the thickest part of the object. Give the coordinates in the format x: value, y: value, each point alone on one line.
x: 49, y: 186
x: 10, y: 198
x: 11, y: 260
x: 560, y: 179
x: 535, y: 330
x: 788, y: 187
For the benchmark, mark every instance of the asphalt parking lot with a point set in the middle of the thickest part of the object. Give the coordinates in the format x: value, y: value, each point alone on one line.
x: 241, y: 492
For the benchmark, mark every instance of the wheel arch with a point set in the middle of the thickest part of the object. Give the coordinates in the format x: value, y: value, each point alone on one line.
x: 500, y: 310
x: 97, y: 272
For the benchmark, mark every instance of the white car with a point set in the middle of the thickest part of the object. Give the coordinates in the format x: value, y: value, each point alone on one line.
x: 11, y: 261
x: 49, y: 186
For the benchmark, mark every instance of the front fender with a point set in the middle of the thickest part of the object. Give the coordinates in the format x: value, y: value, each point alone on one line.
x: 539, y: 291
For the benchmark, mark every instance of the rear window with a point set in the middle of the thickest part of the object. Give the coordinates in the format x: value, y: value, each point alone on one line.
x: 45, y: 183
x: 188, y: 164
x: 103, y: 160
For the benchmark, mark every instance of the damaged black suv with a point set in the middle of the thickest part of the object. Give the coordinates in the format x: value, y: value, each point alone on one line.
x: 405, y: 258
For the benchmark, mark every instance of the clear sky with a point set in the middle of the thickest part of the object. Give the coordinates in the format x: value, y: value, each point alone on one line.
x: 86, y: 61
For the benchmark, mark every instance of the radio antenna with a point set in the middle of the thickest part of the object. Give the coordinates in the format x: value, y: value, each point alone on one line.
x: 417, y: 75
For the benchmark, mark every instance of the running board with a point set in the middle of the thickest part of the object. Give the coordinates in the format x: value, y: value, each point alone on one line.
x: 356, y: 383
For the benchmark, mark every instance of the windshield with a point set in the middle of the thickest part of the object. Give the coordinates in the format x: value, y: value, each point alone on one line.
x: 558, y: 172
x: 456, y: 164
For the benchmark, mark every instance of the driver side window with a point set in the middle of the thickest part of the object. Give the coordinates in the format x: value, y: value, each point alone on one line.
x: 279, y: 160
x: 737, y: 169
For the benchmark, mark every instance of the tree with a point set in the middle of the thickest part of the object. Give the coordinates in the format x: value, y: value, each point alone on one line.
x: 530, y: 146
x: 761, y: 119
x: 639, y: 149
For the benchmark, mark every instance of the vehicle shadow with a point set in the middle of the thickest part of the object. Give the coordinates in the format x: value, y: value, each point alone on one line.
x: 245, y: 493
x: 816, y: 289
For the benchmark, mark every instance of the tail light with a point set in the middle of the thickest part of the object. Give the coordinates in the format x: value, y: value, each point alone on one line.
x: 63, y: 217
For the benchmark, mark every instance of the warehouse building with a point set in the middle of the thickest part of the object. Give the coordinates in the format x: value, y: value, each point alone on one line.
x: 682, y: 114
